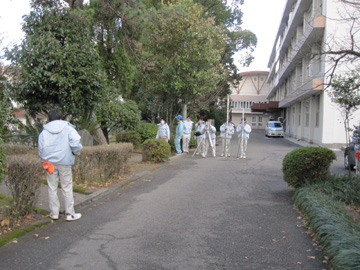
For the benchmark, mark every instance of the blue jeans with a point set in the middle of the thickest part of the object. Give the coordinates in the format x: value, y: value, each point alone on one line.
x: 177, y: 144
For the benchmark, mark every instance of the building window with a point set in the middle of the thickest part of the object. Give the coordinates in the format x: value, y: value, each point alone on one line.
x: 299, y: 118
x: 260, y: 121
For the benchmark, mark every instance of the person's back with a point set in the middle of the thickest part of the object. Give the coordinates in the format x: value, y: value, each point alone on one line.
x: 58, y: 143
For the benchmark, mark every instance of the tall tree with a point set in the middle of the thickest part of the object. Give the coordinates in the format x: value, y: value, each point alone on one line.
x: 345, y: 91
x: 57, y: 64
x: 182, y: 56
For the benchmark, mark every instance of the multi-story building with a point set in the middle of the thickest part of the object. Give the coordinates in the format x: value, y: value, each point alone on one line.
x: 251, y: 93
x: 299, y: 78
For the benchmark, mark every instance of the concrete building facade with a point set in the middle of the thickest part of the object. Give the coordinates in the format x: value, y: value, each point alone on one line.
x: 299, y: 70
x: 251, y: 91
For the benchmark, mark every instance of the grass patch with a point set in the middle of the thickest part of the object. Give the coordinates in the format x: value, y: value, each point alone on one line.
x: 326, y: 208
x: 4, y: 239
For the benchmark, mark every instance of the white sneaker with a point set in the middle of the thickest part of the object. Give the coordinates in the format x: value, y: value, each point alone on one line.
x: 73, y: 217
x: 221, y: 155
x: 202, y: 155
x: 54, y: 217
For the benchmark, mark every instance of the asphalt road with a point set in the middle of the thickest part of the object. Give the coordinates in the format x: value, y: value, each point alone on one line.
x: 193, y: 213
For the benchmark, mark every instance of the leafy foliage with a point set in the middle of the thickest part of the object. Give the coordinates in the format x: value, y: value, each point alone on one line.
x: 30, y: 131
x: 307, y: 165
x: 345, y: 93
x: 5, y: 106
x: 182, y: 55
x: 129, y: 136
x: 60, y: 66
x: 156, y: 150
x: 2, y: 159
x: 118, y: 114
x: 147, y: 131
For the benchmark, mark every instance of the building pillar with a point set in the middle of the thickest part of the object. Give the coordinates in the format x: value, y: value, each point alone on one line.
x: 312, y: 115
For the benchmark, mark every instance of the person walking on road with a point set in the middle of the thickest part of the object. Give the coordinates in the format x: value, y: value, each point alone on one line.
x: 243, y: 130
x: 179, y: 134
x: 200, y: 137
x: 188, y: 125
x: 163, y: 130
x: 227, y: 130
x: 58, y: 144
x: 210, y: 134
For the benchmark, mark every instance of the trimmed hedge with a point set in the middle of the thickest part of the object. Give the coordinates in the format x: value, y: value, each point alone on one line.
x: 129, y: 136
x: 147, y: 131
x: 156, y: 150
x: 307, y: 165
x: 335, y: 228
x: 24, y: 173
x: 16, y: 149
x: 102, y: 162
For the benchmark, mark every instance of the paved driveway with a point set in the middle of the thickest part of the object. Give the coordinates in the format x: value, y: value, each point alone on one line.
x: 194, y: 213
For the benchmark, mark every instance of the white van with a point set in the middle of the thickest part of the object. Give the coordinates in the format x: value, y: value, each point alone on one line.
x: 274, y: 128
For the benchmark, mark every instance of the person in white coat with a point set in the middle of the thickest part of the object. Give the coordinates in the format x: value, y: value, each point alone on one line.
x: 58, y: 144
x: 227, y: 130
x: 200, y: 137
x: 210, y: 134
x: 243, y: 130
x: 163, y: 130
x: 188, y: 125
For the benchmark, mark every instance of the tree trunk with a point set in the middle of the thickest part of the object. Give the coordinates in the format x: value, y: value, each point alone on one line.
x: 98, y: 133
x: 184, y: 112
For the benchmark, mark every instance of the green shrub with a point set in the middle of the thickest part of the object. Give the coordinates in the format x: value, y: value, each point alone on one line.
x: 335, y: 228
x: 129, y: 136
x: 23, y: 179
x: 2, y: 160
x: 307, y: 165
x: 102, y: 163
x: 147, y: 131
x: 156, y: 150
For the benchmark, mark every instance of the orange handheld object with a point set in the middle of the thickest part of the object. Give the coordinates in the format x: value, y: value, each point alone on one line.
x: 48, y: 166
x: 357, y: 155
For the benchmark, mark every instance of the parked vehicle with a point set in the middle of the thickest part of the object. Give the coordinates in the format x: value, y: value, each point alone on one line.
x: 274, y: 128
x: 350, y: 151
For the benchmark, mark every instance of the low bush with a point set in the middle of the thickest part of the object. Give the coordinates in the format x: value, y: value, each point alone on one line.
x: 335, y: 228
x: 16, y: 149
x: 129, y: 136
x: 23, y: 179
x: 147, y: 131
x: 156, y: 150
x: 102, y: 162
x: 307, y: 165
x: 2, y: 160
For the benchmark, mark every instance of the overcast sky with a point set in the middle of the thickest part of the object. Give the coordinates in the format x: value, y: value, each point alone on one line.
x: 262, y: 17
